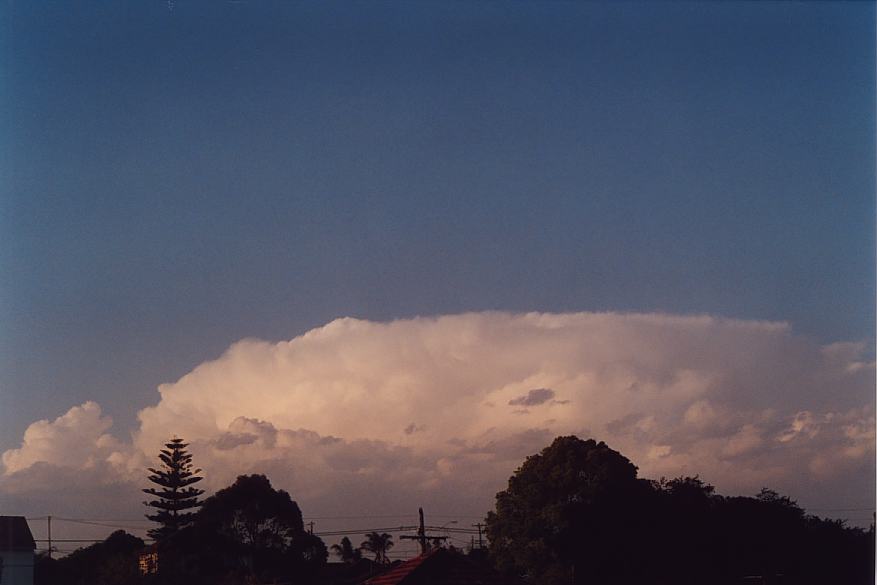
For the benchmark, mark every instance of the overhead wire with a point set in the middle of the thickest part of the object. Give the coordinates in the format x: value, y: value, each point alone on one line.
x: 403, y: 548
x: 99, y: 523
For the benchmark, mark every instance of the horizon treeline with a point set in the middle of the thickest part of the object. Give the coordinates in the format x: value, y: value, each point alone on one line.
x: 577, y: 513
x: 574, y: 514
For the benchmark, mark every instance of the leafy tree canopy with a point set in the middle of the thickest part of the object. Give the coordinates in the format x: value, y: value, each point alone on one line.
x: 577, y: 513
x: 260, y: 530
x: 573, y: 496
x: 111, y: 562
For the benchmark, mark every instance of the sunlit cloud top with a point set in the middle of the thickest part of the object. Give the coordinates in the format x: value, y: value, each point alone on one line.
x: 452, y: 404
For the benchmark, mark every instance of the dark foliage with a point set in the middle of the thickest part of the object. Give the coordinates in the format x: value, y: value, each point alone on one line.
x: 573, y: 497
x: 175, y: 497
x: 346, y: 552
x: 248, y: 531
x: 577, y: 513
x: 379, y: 545
x: 111, y: 562
x: 354, y: 573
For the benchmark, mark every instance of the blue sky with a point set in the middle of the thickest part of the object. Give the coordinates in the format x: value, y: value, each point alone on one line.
x: 176, y: 178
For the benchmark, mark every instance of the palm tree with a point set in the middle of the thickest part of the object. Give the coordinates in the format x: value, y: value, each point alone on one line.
x: 346, y: 552
x: 379, y: 544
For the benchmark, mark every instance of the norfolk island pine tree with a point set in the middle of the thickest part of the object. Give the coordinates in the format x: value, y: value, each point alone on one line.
x: 175, y: 496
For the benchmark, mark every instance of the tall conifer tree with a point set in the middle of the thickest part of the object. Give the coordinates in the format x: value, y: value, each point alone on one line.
x: 176, y: 498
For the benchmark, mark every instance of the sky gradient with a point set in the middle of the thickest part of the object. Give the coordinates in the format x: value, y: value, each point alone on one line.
x: 179, y: 176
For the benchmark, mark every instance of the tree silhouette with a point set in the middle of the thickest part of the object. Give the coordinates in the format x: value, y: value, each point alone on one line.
x: 111, y: 562
x: 379, y: 545
x: 571, y: 514
x: 260, y: 527
x: 346, y: 552
x: 577, y: 514
x: 175, y: 495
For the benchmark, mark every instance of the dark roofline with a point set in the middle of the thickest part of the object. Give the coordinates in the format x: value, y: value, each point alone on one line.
x: 400, y: 572
x: 15, y: 534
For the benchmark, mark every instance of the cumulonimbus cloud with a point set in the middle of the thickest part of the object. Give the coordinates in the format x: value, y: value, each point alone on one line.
x: 454, y: 403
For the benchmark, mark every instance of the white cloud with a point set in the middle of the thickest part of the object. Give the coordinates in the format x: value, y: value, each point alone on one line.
x: 358, y: 415
x: 76, y: 439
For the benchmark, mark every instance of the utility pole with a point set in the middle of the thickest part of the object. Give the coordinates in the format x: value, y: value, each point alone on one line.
x: 422, y: 537
x: 480, y: 542
x: 311, y: 527
x: 49, y: 519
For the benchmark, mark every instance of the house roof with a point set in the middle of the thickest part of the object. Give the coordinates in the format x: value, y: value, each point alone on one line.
x: 348, y: 573
x: 15, y: 534
x: 441, y: 567
x: 398, y: 573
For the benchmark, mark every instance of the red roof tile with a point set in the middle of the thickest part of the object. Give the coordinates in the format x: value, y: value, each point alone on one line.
x: 397, y: 574
x: 442, y: 567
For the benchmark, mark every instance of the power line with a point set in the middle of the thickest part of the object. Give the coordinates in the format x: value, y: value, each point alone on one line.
x: 480, y: 541
x: 840, y: 510
x: 340, y: 532
x: 422, y: 537
x: 364, y: 530
x: 358, y: 517
x: 449, y: 529
x: 69, y: 540
x: 100, y: 523
x: 350, y: 517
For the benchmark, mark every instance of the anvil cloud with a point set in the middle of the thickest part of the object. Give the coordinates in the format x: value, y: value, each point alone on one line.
x: 348, y: 413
